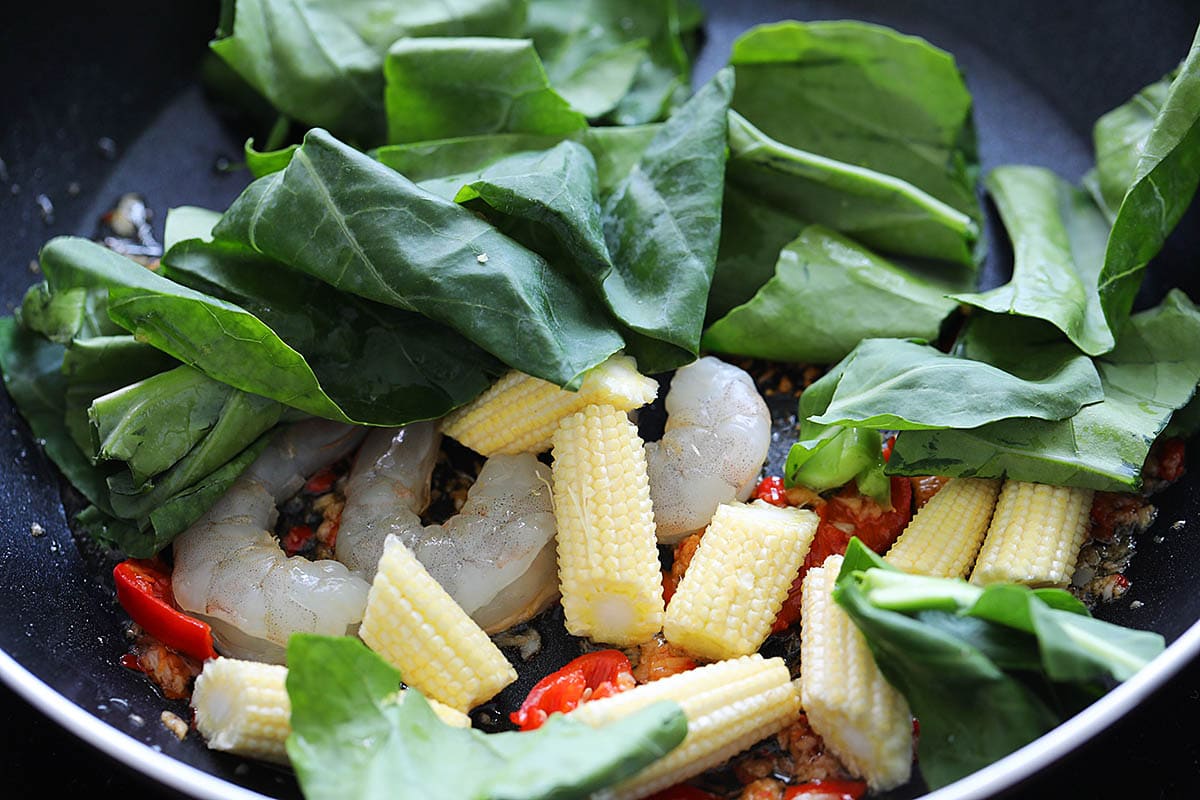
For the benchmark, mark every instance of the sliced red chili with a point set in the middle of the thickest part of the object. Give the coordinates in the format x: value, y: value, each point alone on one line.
x: 144, y: 591
x: 827, y: 790
x: 771, y: 490
x: 848, y: 514
x: 321, y: 482
x: 604, y: 672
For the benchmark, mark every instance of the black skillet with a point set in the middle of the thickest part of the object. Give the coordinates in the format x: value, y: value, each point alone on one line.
x: 102, y: 100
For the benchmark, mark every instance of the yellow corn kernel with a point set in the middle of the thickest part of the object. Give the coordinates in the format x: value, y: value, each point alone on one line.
x: 243, y: 707
x: 730, y: 705
x: 864, y: 721
x: 417, y: 627
x: 944, y: 535
x: 1035, y: 537
x: 738, y: 579
x: 520, y: 413
x: 608, y: 567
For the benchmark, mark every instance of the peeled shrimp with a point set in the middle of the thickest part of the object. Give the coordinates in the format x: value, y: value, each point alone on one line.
x: 495, y: 557
x: 230, y: 571
x: 716, y: 439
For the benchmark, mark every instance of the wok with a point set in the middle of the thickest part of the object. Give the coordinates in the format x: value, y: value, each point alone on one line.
x: 105, y: 100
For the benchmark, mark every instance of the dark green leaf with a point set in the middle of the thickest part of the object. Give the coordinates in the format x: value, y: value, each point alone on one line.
x: 972, y: 713
x: 599, y: 51
x: 1058, y: 244
x: 1160, y: 188
x: 442, y: 166
x: 791, y: 317
x: 617, y: 151
x: 879, y: 210
x: 828, y: 456
x: 439, y: 165
x: 1080, y: 648
x: 900, y: 385
x: 199, y: 428
x: 442, y: 88
x: 188, y: 222
x: 320, y: 61
x: 262, y: 162
x: 1119, y: 138
x: 1152, y: 371
x: 662, y: 224
x: 865, y: 95
x: 352, y: 739
x: 97, y: 366
x: 32, y: 374
x: 378, y: 364
x: 342, y: 217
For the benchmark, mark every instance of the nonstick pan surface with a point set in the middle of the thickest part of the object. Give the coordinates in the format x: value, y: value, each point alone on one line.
x: 104, y: 100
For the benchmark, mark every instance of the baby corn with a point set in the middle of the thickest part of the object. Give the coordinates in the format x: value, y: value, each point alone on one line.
x: 730, y: 705
x: 864, y: 721
x: 738, y: 579
x: 416, y: 626
x: 520, y: 413
x: 243, y: 707
x: 944, y: 535
x: 1035, y: 537
x: 608, y: 567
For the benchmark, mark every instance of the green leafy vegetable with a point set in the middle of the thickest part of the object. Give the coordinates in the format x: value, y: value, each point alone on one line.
x: 879, y: 210
x: 320, y: 61
x: 32, y: 367
x: 662, y: 224
x: 624, y: 57
x: 792, y: 318
x: 865, y: 95
x: 351, y: 738
x: 342, y: 217
x: 900, y: 385
x: 1058, y: 243
x: 188, y: 222
x: 1157, y: 191
x: 984, y: 670
x: 1152, y: 372
x: 440, y: 88
x: 377, y: 364
x: 829, y: 456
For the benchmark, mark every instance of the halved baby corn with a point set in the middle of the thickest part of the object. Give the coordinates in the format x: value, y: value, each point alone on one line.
x: 944, y: 535
x: 608, y: 566
x: 864, y: 721
x: 520, y: 413
x: 243, y: 707
x: 1035, y: 537
x: 738, y: 579
x: 730, y: 705
x: 416, y: 626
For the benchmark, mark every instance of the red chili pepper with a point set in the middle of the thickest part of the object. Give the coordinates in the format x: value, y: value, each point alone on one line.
x: 847, y: 514
x: 144, y: 591
x: 297, y: 538
x: 321, y: 482
x: 605, y: 672
x: 827, y: 790
x: 771, y: 489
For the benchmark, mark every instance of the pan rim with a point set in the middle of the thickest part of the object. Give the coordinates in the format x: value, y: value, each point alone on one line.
x: 1003, y: 774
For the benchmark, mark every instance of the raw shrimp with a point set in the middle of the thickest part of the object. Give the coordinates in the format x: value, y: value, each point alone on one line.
x: 231, y: 572
x: 496, y: 557
x: 716, y: 439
